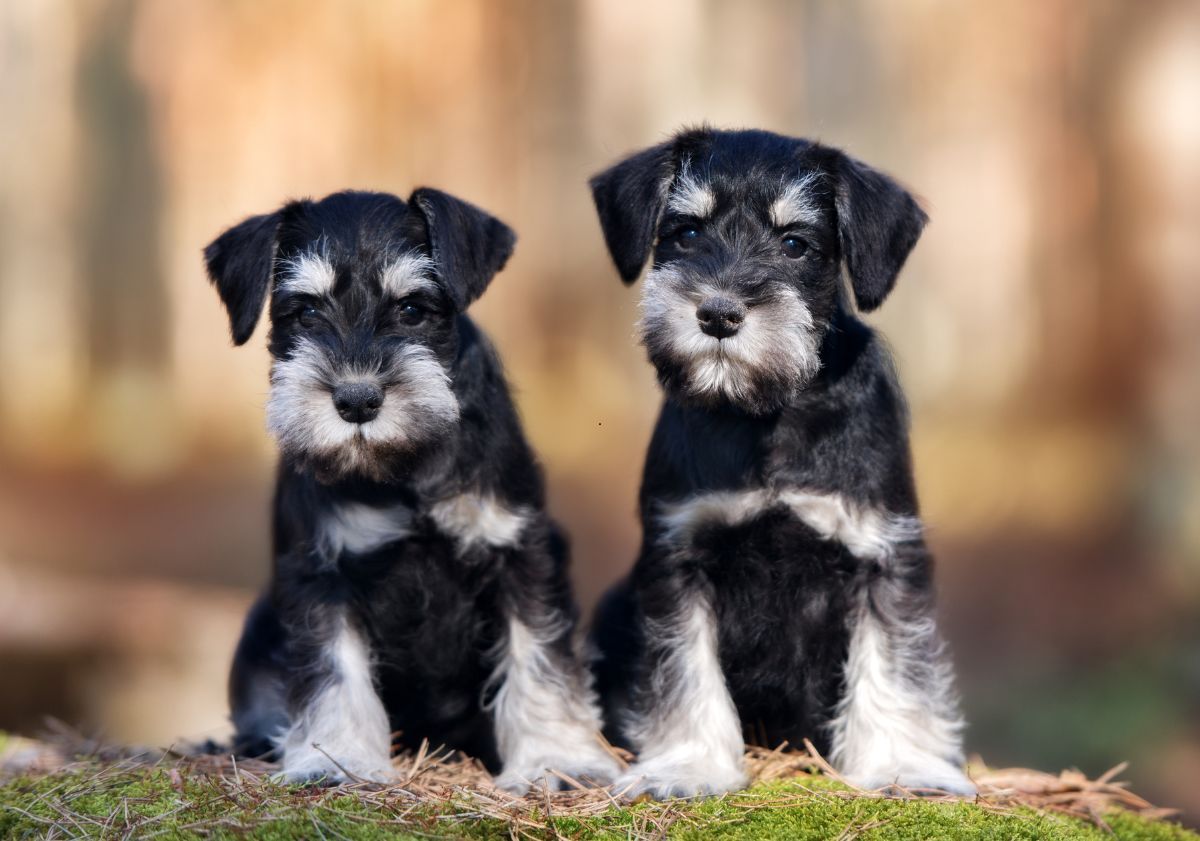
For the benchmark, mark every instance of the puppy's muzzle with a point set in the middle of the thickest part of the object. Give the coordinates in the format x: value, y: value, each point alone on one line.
x: 358, y: 402
x: 720, y: 317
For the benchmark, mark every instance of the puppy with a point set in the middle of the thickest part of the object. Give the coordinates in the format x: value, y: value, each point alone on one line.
x: 418, y: 585
x: 783, y: 590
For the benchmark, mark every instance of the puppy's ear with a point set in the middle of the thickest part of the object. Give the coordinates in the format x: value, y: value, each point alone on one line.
x: 879, y: 222
x: 240, y: 263
x: 469, y: 246
x: 629, y: 199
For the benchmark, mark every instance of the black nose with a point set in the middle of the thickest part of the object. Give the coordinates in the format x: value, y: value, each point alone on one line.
x: 720, y: 317
x: 357, y: 402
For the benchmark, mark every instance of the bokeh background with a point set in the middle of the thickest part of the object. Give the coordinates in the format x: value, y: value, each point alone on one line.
x: 1047, y: 326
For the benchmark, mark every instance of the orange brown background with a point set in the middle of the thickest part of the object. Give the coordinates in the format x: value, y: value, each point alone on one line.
x: 1047, y: 326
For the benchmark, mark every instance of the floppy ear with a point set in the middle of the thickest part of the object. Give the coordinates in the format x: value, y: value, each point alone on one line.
x: 629, y: 199
x: 240, y: 263
x: 879, y: 222
x: 469, y: 246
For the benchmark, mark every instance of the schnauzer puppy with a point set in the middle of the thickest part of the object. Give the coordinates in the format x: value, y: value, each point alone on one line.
x: 783, y: 590
x: 418, y: 585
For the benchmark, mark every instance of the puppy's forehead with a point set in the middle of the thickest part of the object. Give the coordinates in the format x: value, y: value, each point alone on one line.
x: 776, y: 178
x: 779, y: 196
x: 352, y: 241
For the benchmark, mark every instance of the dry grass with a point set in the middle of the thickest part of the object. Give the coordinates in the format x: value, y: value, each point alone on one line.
x: 461, y: 788
x: 435, y: 786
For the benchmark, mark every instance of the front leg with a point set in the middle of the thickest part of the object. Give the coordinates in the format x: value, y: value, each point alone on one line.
x: 685, y: 727
x: 544, y: 709
x: 898, y: 722
x: 340, y: 730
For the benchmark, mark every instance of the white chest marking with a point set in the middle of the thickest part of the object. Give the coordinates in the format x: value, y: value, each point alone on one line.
x: 358, y: 528
x: 475, y: 519
x: 867, y: 533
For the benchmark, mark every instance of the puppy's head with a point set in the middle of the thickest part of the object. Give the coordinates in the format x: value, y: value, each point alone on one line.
x: 749, y: 231
x: 365, y: 292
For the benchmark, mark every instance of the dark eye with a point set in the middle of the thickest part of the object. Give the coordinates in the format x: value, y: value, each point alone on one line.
x: 794, y: 247
x: 309, y: 316
x: 412, y: 313
x: 686, y: 236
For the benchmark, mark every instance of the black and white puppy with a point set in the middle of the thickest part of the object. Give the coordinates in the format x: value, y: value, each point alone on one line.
x: 418, y: 585
x: 783, y: 590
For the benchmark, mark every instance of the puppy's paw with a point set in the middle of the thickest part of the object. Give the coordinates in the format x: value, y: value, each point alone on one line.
x: 695, y: 778
x: 597, y: 769
x: 935, y: 777
x: 313, y: 766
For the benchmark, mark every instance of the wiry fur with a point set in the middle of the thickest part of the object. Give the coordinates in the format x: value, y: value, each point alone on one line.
x: 689, y: 197
x: 686, y: 728
x: 797, y: 203
x: 419, y: 587
x: 479, y: 520
x: 897, y: 722
x: 543, y: 713
x: 408, y: 273
x: 308, y: 273
x: 343, y: 722
x: 775, y: 351
x: 359, y: 528
x: 300, y: 414
x: 783, y: 590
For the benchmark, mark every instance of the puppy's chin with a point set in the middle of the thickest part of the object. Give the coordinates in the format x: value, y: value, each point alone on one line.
x: 372, y: 460
x: 719, y: 385
x: 754, y: 375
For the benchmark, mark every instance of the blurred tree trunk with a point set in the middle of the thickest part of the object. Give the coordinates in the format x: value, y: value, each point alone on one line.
x: 126, y: 317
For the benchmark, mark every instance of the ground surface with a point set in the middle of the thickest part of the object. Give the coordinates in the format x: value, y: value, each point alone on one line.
x: 82, y: 791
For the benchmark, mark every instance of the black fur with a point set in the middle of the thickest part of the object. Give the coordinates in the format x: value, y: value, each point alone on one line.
x: 781, y: 592
x: 433, y: 609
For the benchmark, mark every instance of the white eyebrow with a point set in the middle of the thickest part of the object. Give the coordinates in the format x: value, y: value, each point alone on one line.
x: 408, y: 273
x: 308, y: 274
x: 796, y: 203
x: 691, y: 198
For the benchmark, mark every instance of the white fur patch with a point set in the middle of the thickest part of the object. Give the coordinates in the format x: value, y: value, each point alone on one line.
x: 898, y: 723
x: 345, y: 723
x: 796, y: 204
x: 408, y: 273
x: 308, y: 274
x: 476, y: 519
x: 545, y: 718
x: 727, y: 508
x: 418, y: 406
x: 358, y: 528
x: 867, y: 533
x: 690, y: 197
x: 690, y: 742
x: 777, y: 340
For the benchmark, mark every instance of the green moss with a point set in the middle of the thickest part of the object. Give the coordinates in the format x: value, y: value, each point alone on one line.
x: 113, y: 803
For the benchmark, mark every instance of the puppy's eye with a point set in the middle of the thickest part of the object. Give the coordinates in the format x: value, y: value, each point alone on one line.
x: 309, y: 316
x: 794, y: 247
x: 412, y: 313
x: 686, y: 236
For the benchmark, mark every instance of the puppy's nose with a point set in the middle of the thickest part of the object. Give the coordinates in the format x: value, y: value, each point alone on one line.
x: 357, y: 402
x: 720, y: 317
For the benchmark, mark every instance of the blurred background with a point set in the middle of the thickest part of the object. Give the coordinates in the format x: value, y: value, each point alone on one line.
x: 1047, y: 326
